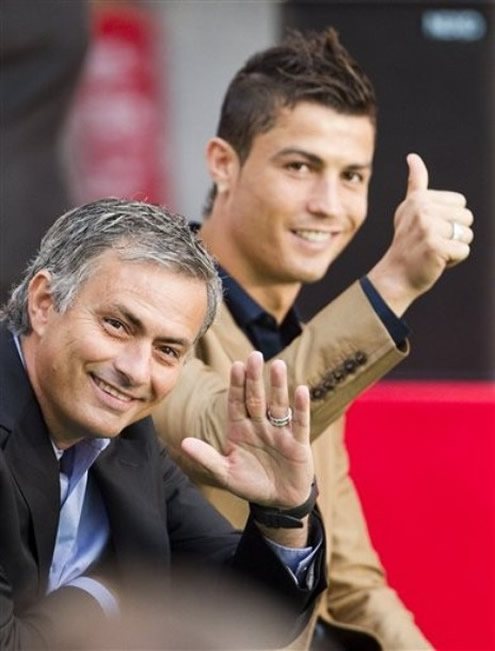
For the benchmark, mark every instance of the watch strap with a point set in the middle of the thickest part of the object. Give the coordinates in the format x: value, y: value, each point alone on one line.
x: 285, y: 518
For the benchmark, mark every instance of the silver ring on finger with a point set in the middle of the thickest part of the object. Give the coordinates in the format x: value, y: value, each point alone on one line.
x: 456, y: 232
x: 280, y: 422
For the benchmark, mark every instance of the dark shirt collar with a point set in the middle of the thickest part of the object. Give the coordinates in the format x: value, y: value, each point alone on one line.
x: 260, y: 327
x: 241, y: 305
x: 257, y: 324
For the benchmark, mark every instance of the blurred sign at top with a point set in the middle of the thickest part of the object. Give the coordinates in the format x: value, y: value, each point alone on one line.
x: 116, y: 127
x: 453, y: 24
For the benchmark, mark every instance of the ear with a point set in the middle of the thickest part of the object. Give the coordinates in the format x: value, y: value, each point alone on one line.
x: 40, y: 301
x: 223, y: 163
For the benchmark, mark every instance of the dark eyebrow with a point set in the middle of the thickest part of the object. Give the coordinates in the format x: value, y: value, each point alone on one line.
x: 138, y: 324
x: 291, y: 151
x: 179, y: 341
x: 365, y: 166
x: 314, y: 159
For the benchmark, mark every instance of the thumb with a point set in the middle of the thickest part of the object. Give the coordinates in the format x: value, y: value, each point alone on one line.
x: 418, y: 174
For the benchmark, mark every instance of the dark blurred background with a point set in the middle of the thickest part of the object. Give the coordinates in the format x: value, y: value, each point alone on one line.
x: 433, y: 69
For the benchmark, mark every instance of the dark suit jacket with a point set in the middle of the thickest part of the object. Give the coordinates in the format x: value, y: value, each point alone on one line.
x: 155, y: 515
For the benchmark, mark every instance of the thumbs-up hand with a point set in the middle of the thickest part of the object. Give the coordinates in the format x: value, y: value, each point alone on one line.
x: 432, y: 232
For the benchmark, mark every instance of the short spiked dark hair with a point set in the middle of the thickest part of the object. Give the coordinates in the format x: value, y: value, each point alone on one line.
x: 305, y: 67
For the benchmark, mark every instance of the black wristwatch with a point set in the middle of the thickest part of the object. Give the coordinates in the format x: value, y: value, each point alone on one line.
x: 285, y: 518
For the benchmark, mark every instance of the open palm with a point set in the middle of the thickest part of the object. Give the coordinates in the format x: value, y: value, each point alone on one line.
x: 260, y: 462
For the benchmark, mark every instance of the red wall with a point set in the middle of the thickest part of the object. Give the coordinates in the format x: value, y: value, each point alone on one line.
x: 423, y: 459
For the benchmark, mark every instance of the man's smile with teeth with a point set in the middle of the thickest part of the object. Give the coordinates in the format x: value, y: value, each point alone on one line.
x: 108, y: 388
x: 312, y: 235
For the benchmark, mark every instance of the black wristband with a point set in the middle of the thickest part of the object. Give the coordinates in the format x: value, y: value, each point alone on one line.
x: 285, y: 518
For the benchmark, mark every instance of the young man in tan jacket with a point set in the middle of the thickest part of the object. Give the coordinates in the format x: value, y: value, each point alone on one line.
x: 291, y: 165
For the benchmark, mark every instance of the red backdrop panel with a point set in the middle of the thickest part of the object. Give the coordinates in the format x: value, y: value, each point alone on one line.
x: 423, y: 459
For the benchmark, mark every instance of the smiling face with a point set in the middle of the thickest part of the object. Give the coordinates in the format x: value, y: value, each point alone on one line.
x: 116, y: 352
x: 296, y: 202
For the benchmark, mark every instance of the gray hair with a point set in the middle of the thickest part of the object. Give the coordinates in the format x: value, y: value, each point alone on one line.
x: 137, y: 231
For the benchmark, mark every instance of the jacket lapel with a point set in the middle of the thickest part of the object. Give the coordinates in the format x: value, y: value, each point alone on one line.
x: 28, y: 451
x: 130, y: 485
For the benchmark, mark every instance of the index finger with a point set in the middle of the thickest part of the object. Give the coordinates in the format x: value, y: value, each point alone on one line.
x: 447, y: 197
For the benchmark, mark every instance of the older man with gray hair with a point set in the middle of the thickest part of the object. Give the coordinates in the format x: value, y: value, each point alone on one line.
x: 92, y: 506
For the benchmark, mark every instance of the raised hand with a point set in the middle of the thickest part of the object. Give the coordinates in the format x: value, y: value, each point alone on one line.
x: 432, y: 232
x: 261, y: 462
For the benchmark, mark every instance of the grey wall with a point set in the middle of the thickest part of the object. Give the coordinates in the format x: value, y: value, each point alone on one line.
x: 204, y: 42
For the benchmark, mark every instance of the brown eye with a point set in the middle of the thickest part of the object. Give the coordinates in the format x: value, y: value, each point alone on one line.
x: 113, y: 324
x: 167, y: 352
x: 298, y: 166
x: 353, y: 176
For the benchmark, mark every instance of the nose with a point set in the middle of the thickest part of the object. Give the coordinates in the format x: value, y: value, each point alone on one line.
x: 133, y: 364
x: 325, y: 198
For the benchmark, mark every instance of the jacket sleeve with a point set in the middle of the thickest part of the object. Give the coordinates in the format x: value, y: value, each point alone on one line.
x: 342, y: 351
x: 236, y: 573
x: 53, y: 623
x: 240, y: 575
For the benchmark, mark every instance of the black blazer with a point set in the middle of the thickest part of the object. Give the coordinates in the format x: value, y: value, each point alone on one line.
x: 156, y: 516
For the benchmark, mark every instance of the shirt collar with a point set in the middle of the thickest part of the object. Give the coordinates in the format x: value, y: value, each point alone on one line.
x: 243, y: 308
x: 246, y: 310
x: 17, y: 342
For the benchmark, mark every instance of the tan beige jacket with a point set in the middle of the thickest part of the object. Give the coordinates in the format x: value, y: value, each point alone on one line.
x: 343, y: 350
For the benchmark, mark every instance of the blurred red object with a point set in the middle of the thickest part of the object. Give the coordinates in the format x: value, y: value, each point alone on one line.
x: 423, y: 459
x: 116, y: 130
